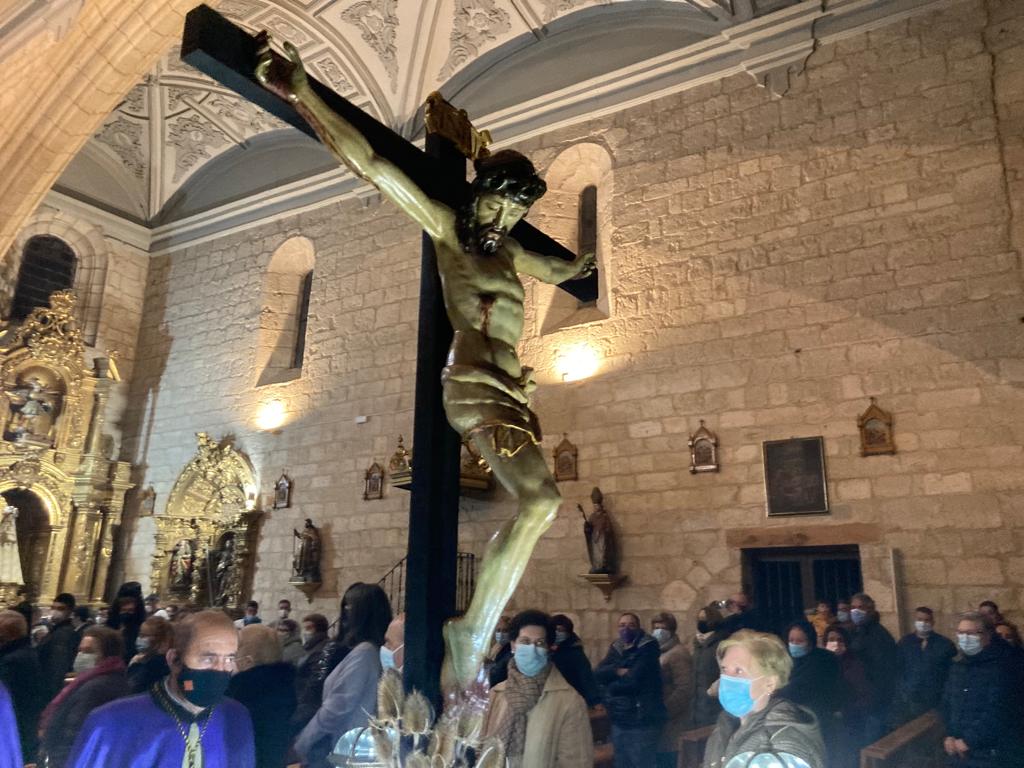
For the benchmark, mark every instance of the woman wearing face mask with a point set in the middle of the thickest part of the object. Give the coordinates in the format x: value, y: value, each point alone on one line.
x: 676, y: 679
x: 754, y: 667
x: 630, y: 676
x: 539, y: 717
x: 980, y: 706
x: 496, y: 661
x: 704, y: 708
x: 816, y: 681
x: 849, y: 726
x: 570, y: 658
x: 156, y: 636
x: 350, y: 691
x: 99, y: 678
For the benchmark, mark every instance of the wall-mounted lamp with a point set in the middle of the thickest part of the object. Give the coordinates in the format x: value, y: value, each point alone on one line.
x: 271, y: 415
x: 578, y: 361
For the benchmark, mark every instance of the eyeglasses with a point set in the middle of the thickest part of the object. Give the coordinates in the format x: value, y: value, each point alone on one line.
x: 540, y: 643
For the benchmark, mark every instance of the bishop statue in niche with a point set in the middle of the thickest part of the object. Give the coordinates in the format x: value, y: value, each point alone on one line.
x: 34, y: 404
x: 602, y: 546
x: 182, y: 564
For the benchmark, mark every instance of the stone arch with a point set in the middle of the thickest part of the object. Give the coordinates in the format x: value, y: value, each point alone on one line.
x: 91, y: 250
x: 575, y: 169
x: 284, y: 305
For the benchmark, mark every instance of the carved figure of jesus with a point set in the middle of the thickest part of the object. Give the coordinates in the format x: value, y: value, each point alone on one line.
x: 485, y: 387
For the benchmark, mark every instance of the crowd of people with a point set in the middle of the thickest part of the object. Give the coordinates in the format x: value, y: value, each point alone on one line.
x: 144, y: 685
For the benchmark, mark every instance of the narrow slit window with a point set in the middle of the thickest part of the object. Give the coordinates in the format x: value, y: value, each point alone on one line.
x: 303, y: 317
x: 587, y: 234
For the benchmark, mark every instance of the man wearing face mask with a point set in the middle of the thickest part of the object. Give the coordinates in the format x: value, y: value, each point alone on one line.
x: 99, y: 678
x: 184, y: 721
x: 284, y: 611
x: 876, y: 649
x: 392, y: 653
x: 265, y: 684
x: 676, y: 679
x: 571, y: 659
x: 57, y: 651
x: 924, y: 657
x: 630, y: 676
x: 980, y: 706
x: 538, y: 716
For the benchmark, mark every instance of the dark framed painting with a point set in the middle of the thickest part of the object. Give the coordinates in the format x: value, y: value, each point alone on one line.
x: 794, y: 476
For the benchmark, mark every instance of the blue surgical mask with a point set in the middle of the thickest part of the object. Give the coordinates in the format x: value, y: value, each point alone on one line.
x: 562, y: 637
x: 969, y: 644
x: 531, y: 659
x: 922, y: 627
x: 142, y: 644
x: 84, y: 662
x: 734, y: 695
x: 857, y: 616
x: 798, y: 651
x: 501, y: 638
x: 662, y: 635
x: 387, y: 657
x: 843, y: 616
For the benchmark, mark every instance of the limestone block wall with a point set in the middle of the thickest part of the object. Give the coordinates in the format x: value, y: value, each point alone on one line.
x: 776, y: 263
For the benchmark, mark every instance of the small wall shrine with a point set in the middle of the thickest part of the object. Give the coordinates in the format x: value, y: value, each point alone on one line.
x: 65, y: 493
x: 205, y: 540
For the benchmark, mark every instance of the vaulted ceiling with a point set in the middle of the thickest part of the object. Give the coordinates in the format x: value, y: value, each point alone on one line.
x: 148, y: 160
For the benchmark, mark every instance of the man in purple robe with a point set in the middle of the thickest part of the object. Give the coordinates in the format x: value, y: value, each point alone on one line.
x: 10, y: 744
x: 183, y: 721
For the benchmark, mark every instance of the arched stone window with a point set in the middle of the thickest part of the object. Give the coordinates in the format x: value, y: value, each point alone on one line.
x: 576, y: 211
x: 287, y: 288
x: 47, y: 264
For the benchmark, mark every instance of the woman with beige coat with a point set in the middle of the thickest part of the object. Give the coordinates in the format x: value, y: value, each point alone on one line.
x: 540, y: 718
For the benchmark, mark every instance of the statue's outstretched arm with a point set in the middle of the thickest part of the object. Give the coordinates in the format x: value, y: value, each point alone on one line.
x: 549, y: 269
x: 287, y: 79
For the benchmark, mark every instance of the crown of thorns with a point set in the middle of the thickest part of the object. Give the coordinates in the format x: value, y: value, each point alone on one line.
x: 509, y: 174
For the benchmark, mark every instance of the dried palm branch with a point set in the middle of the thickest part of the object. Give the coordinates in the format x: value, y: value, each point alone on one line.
x: 390, y: 696
x: 417, y: 714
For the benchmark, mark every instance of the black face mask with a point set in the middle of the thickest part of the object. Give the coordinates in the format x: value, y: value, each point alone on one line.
x: 203, y: 687
x: 703, y: 627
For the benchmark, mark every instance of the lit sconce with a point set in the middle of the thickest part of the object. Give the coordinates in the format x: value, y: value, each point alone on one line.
x: 271, y: 415
x: 576, y: 362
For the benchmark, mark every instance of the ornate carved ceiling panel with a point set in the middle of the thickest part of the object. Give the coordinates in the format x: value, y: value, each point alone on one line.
x: 385, y: 55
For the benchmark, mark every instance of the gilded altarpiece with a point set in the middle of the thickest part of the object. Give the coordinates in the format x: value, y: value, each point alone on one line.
x: 204, y: 551
x: 54, y: 467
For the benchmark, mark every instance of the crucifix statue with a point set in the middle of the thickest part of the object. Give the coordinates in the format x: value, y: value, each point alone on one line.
x: 485, y: 388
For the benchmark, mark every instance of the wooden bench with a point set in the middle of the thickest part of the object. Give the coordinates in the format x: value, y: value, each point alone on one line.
x: 917, y: 744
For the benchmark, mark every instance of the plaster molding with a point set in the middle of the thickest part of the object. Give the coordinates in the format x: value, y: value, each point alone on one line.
x: 769, y: 48
x: 112, y: 225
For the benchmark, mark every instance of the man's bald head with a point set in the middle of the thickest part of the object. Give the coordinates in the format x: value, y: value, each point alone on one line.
x: 394, y: 639
x: 205, y: 640
x: 12, y: 626
x: 257, y: 645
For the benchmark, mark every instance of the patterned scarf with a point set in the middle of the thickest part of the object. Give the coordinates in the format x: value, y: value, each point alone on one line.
x: 522, y: 694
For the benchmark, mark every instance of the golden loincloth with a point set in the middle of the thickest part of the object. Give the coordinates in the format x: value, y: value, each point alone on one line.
x: 477, y: 400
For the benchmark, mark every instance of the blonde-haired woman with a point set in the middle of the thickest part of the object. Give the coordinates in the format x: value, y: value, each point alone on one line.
x: 754, y: 666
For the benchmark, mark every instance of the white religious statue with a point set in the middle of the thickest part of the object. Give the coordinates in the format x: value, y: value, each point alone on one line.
x: 10, y: 560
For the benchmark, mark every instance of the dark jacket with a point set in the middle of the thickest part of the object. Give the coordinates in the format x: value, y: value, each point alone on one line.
x: 268, y: 692
x: 574, y: 665
x: 309, y: 686
x: 704, y: 709
x: 142, y: 674
x: 782, y: 726
x: 70, y: 716
x: 979, y: 705
x: 876, y: 649
x: 633, y: 700
x: 21, y: 674
x: 816, y: 683
x: 57, y: 655
x: 924, y: 664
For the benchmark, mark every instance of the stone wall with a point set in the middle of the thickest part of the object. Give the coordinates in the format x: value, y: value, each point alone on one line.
x: 776, y: 263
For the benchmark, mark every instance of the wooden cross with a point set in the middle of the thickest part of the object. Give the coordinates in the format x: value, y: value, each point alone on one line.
x: 228, y: 54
